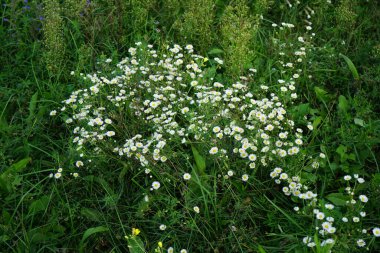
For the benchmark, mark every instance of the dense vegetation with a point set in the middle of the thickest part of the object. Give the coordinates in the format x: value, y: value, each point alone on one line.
x: 189, y: 126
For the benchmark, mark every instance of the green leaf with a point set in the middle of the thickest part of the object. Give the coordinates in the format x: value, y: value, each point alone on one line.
x: 210, y: 72
x: 124, y: 171
x: 8, y: 176
x: 17, y: 167
x: 6, y: 218
x: 359, y: 122
x: 32, y: 108
x: 341, y: 150
x: 90, y: 214
x: 199, y: 161
x: 337, y: 199
x: 3, y: 124
x: 301, y: 110
x: 321, y: 94
x: 343, y: 105
x: 215, y: 51
x: 4, y: 238
x: 351, y: 66
x: 90, y: 232
x: 261, y: 249
x: 135, y: 244
x: 311, y: 177
x: 316, y: 122
x: 39, y: 205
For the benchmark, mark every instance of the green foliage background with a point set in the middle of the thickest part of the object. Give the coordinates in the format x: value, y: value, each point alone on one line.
x: 41, y: 42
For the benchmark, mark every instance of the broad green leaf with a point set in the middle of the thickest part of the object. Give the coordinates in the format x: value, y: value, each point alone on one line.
x: 8, y: 176
x: 311, y: 177
x: 124, y: 171
x: 90, y: 232
x: 6, y: 217
x: 359, y: 122
x: 351, y: 156
x: 4, y: 238
x: 3, y: 115
x: 199, y: 161
x: 215, y: 51
x: 3, y: 124
x: 39, y: 236
x: 39, y: 205
x: 32, y: 108
x: 90, y: 214
x: 16, y: 167
x: 321, y: 94
x: 337, y: 199
x: 301, y: 110
x: 210, y: 73
x: 351, y: 66
x: 317, y: 243
x: 316, y: 122
x: 5, y: 185
x: 135, y: 244
x: 341, y: 150
x: 261, y: 249
x: 343, y: 105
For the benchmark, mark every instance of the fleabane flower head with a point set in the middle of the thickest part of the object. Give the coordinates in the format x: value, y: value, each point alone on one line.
x: 110, y: 133
x: 360, y: 243
x: 216, y: 129
x: 347, y: 177
x: 156, y: 185
x: 363, y: 198
x: 307, y: 239
x: 213, y: 150
x: 320, y: 216
x: 284, y: 176
x: 186, y: 176
x: 376, y: 232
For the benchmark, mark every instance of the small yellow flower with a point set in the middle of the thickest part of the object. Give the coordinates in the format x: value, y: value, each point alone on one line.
x: 205, y: 59
x: 160, y: 244
x: 135, y: 231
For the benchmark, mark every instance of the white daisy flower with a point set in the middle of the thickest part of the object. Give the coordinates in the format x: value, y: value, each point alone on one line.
x: 186, y: 176
x: 156, y: 185
x: 213, y: 150
x: 376, y: 232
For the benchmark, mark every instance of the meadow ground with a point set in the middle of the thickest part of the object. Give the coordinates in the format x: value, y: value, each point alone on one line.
x: 189, y: 126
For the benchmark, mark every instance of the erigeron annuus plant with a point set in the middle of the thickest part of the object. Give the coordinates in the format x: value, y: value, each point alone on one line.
x: 178, y: 104
x: 337, y: 225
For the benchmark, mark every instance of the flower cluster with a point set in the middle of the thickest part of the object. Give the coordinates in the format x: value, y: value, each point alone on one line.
x: 175, y: 102
x: 329, y: 220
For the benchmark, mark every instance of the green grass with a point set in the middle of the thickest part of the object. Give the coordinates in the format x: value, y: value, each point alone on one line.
x: 337, y: 88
